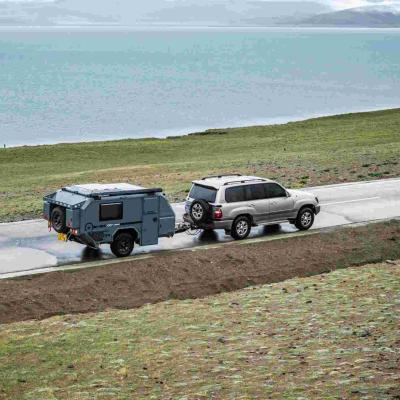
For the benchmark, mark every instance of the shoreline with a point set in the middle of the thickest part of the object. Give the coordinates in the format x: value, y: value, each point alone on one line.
x: 183, y: 132
x: 168, y: 27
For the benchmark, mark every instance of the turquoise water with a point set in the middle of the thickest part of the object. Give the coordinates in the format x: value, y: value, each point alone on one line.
x: 59, y: 85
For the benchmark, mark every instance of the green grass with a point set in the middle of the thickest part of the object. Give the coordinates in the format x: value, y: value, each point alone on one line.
x: 331, y: 336
x: 324, y: 150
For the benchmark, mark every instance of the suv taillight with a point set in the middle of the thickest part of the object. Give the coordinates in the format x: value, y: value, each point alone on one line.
x: 218, y: 214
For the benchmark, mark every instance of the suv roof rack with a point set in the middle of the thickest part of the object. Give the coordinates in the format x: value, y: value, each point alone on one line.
x: 219, y: 176
x: 246, y: 181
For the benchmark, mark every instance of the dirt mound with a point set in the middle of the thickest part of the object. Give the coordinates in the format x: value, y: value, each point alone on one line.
x: 188, y: 274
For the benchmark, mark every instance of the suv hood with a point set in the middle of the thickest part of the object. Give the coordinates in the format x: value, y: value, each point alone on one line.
x: 301, y: 194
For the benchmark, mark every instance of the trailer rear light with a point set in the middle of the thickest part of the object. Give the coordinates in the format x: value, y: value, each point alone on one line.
x: 218, y: 214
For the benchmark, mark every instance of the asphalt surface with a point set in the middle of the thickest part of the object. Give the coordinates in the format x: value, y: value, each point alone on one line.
x: 28, y: 246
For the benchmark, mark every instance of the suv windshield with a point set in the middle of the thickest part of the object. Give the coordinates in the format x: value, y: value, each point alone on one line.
x: 202, y: 192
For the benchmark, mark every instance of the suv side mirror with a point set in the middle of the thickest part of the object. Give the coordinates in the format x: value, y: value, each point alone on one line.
x: 288, y: 194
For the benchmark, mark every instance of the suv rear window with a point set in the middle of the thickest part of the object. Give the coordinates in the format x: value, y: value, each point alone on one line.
x: 235, y: 194
x: 203, y: 192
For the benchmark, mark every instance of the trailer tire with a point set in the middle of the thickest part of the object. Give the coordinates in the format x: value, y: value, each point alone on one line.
x: 122, y: 245
x: 200, y: 211
x: 58, y: 220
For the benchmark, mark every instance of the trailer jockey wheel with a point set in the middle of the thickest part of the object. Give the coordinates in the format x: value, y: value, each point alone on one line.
x: 200, y: 211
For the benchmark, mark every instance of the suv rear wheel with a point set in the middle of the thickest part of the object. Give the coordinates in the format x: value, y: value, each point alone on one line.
x: 241, y: 228
x: 305, y: 219
x: 122, y: 245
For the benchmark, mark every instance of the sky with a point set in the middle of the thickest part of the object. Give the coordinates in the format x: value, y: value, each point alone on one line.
x: 336, y: 4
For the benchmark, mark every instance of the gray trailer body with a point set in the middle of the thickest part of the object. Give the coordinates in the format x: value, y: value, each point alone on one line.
x: 94, y: 214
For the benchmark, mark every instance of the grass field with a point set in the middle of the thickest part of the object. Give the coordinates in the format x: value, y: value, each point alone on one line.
x: 332, y: 336
x: 325, y: 150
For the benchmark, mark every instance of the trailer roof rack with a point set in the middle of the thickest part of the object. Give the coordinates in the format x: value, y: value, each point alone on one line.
x: 96, y: 191
x: 219, y: 176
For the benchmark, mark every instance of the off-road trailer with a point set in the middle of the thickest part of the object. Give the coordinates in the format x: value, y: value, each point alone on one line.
x: 117, y: 214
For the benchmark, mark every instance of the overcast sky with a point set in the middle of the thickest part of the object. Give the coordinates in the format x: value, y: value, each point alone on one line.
x: 336, y: 4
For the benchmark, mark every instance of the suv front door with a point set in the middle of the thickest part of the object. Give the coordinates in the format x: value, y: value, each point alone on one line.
x: 279, y: 204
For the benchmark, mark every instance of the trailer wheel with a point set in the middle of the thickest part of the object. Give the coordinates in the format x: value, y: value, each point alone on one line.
x: 200, y: 211
x: 58, y: 220
x: 123, y: 244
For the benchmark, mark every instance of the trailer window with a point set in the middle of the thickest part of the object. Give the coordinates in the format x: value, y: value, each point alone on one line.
x: 111, y: 211
x: 204, y: 193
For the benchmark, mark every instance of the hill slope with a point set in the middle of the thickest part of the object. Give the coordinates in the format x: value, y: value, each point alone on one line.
x: 374, y: 17
x: 326, y: 337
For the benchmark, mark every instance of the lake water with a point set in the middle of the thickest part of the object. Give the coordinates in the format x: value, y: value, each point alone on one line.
x: 59, y: 85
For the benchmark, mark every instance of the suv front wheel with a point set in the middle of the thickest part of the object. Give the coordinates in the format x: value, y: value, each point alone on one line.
x: 241, y: 228
x: 305, y: 219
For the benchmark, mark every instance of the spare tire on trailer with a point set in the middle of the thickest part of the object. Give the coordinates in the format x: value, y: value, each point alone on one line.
x: 58, y: 220
x: 200, y: 211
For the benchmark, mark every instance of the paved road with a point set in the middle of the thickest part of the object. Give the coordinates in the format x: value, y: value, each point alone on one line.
x: 26, y: 246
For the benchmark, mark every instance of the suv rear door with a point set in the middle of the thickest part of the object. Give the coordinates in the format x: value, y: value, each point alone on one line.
x: 280, y: 205
x: 235, y: 202
x: 257, y: 200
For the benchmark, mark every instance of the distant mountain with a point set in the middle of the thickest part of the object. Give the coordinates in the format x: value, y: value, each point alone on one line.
x: 369, y: 16
x: 46, y: 14
x: 233, y: 12
x: 157, y: 12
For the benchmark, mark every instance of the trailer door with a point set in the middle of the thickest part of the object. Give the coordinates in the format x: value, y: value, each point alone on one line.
x: 150, y: 222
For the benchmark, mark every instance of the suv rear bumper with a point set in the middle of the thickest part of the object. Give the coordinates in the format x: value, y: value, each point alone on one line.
x: 223, y: 224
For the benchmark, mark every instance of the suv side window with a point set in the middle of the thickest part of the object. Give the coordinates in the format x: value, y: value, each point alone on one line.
x: 235, y: 194
x: 273, y: 190
x: 256, y: 192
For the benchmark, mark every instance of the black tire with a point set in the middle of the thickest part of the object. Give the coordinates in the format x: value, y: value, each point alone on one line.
x: 305, y: 219
x: 200, y: 211
x: 58, y: 220
x: 241, y: 228
x: 122, y: 245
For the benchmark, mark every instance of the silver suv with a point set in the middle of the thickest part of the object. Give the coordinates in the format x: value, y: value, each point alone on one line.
x: 235, y: 203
